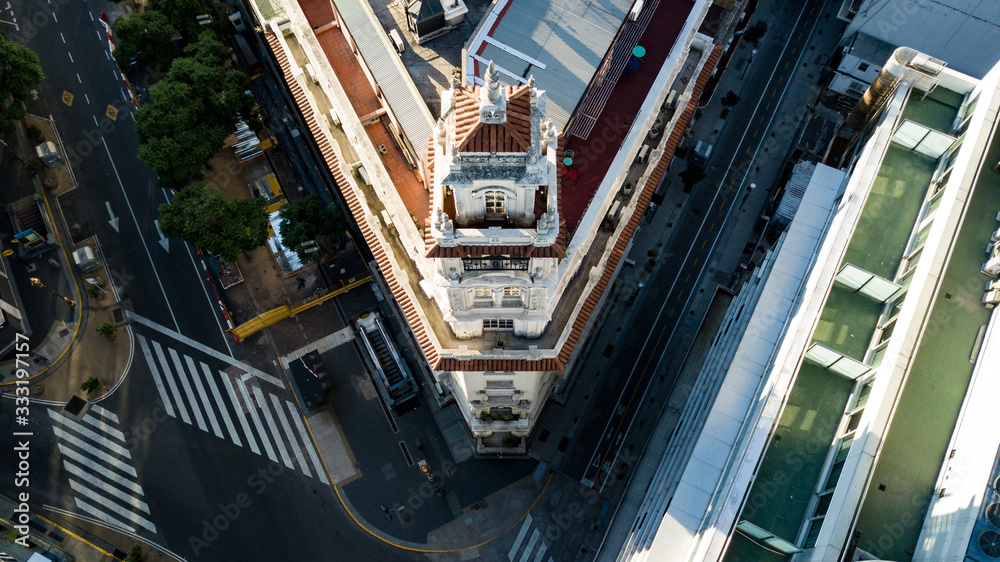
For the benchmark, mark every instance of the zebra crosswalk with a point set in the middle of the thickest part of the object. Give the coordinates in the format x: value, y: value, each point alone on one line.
x: 534, y: 550
x: 232, y: 408
x: 101, y: 476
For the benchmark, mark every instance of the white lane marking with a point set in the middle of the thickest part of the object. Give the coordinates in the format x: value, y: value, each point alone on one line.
x: 68, y: 452
x: 101, y: 36
x: 54, y: 18
x: 222, y: 404
x: 520, y: 537
x: 132, y: 115
x: 62, y: 37
x: 91, y: 435
x: 239, y: 412
x: 91, y: 16
x: 70, y: 57
x: 87, y: 98
x: 262, y: 402
x: 105, y: 413
x: 99, y: 472
x: 291, y: 436
x: 157, y: 380
x: 196, y: 375
x: 95, y: 480
x: 541, y: 552
x: 95, y: 120
x: 141, y: 238
x: 530, y: 547
x: 186, y: 383
x: 297, y: 419
x: 78, y: 79
x: 228, y: 359
x: 137, y: 519
x: 124, y: 95
x: 106, y: 53
x: 174, y: 391
x: 105, y: 427
x: 261, y: 434
x: 104, y: 517
x: 115, y: 74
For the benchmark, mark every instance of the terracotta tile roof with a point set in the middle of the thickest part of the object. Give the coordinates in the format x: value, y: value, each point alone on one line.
x: 473, y: 136
x: 436, y: 362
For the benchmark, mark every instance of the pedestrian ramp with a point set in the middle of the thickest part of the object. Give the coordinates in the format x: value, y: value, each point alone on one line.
x: 102, y: 478
x: 529, y: 545
x: 232, y: 407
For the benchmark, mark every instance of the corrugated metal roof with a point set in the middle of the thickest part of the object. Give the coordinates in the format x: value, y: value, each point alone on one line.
x: 406, y: 105
x: 569, y: 37
x: 795, y: 189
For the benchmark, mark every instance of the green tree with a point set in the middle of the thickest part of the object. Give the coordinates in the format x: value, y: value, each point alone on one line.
x: 134, y: 554
x: 308, y: 219
x: 730, y: 99
x: 183, y: 14
x: 91, y: 385
x: 144, y: 39
x: 203, y: 217
x: 692, y: 175
x: 19, y: 72
x: 755, y: 32
x: 193, y: 109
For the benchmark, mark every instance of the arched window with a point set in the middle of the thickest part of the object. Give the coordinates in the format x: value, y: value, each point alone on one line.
x: 496, y: 204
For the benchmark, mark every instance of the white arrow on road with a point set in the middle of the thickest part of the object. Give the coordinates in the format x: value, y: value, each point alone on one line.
x: 114, y: 220
x: 163, y: 239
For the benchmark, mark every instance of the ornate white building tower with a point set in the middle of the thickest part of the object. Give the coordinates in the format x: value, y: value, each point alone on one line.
x: 494, y: 228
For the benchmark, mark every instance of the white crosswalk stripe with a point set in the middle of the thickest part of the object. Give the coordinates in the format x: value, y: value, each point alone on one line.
x: 218, y: 400
x: 268, y: 424
x: 157, y: 379
x: 102, y: 482
x: 534, y: 541
x: 261, y: 433
x: 239, y: 413
x: 262, y: 403
x: 291, y: 437
x: 93, y: 436
x: 196, y: 375
x: 186, y: 383
x: 313, y: 456
x: 171, y: 384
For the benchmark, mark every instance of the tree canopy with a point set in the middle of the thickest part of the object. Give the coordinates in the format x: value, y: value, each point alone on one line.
x: 193, y: 110
x: 206, y: 219
x: 19, y: 72
x: 144, y: 39
x: 308, y: 219
x: 183, y: 14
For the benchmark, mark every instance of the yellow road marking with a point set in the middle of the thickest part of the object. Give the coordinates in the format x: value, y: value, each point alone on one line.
x: 780, y: 80
x: 671, y: 313
x: 687, y: 278
x: 797, y: 38
x: 761, y: 119
x: 723, y: 204
x: 754, y: 134
x: 112, y: 113
x: 67, y: 98
x: 748, y: 151
x: 696, y: 258
x: 703, y: 242
x: 76, y: 536
x: 378, y: 536
x: 768, y: 106
x: 787, y: 63
x: 793, y: 50
x: 680, y: 294
x: 711, y: 227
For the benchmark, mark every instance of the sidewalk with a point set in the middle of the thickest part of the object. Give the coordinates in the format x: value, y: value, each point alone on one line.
x: 65, y: 349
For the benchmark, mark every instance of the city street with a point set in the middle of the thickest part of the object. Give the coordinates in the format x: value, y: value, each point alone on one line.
x: 663, y: 303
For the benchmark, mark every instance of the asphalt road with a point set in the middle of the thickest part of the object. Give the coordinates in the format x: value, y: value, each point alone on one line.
x: 594, y: 456
x: 186, y: 437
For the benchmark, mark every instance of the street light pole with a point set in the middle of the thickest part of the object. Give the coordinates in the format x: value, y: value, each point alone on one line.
x: 36, y: 282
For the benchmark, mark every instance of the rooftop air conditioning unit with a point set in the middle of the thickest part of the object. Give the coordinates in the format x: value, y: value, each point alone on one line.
x: 311, y: 73
x: 285, y: 27
x: 397, y: 41
x: 636, y: 10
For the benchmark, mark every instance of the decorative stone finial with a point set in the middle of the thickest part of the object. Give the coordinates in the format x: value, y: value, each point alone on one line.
x: 493, y: 82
